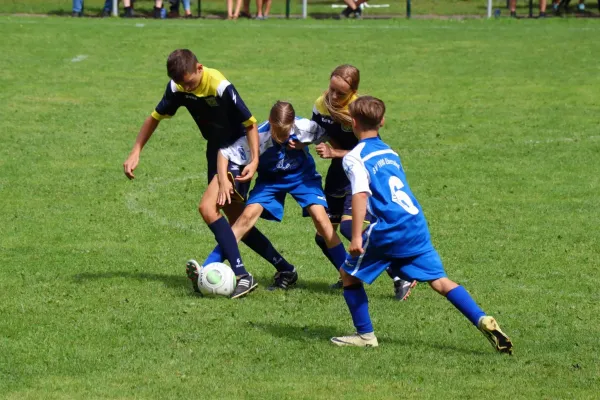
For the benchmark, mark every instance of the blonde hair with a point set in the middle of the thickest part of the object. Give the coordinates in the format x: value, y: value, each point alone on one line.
x: 282, y: 118
x: 368, y: 112
x: 351, y: 75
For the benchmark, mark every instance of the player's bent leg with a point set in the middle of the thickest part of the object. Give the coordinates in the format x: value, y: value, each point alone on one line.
x: 335, y: 247
x: 462, y: 300
x: 208, y: 203
x: 358, y: 304
x: 246, y: 220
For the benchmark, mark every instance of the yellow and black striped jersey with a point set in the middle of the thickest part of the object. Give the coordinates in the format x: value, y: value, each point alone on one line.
x: 216, y: 107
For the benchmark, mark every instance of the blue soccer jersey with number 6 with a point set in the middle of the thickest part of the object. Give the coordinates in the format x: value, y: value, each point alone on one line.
x: 400, y: 229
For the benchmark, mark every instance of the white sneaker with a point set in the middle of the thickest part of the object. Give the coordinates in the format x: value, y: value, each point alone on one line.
x: 358, y: 340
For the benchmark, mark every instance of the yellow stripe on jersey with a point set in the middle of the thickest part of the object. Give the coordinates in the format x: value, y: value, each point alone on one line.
x: 211, y: 78
x: 249, y: 122
x: 159, y: 117
x: 322, y: 108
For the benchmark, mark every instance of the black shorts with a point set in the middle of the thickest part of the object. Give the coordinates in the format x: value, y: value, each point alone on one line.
x: 240, y: 189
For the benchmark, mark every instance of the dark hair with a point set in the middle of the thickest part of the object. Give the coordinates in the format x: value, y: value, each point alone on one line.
x: 368, y: 112
x: 181, y: 62
x: 282, y: 117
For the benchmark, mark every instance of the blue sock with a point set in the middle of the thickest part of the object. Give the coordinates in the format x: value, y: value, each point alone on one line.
x: 461, y: 299
x: 338, y: 255
x: 346, y: 229
x: 323, y: 246
x: 215, y: 256
x: 358, y: 304
x: 264, y: 248
x: 226, y: 240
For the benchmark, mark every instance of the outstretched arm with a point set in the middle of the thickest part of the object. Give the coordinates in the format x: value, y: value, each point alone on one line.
x: 143, y: 136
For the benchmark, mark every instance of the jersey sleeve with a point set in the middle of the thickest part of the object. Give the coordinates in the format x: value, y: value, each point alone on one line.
x: 357, y: 174
x: 227, y: 92
x: 240, y: 153
x: 168, y: 104
x: 308, y: 131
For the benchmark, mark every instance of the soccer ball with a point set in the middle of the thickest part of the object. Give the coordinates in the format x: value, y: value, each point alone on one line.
x: 216, y: 279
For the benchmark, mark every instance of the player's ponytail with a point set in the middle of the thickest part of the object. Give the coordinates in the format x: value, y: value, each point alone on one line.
x: 339, y: 112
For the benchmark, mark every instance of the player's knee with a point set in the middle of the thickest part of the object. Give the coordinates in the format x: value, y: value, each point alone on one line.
x: 348, y: 280
x: 209, y: 212
x: 346, y: 228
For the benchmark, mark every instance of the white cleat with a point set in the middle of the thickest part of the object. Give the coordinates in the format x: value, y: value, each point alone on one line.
x: 357, y: 340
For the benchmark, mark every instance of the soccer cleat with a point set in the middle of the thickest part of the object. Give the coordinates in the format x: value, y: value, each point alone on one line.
x: 357, y: 340
x: 346, y: 12
x: 244, y: 285
x: 192, y: 270
x: 283, y: 280
x: 402, y: 289
x: 489, y: 327
x: 338, y: 285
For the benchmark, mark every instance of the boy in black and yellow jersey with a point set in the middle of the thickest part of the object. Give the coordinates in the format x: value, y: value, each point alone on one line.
x: 222, y: 117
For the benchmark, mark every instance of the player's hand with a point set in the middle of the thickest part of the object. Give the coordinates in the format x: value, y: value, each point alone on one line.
x: 295, y: 145
x: 225, y: 192
x: 130, y: 164
x: 247, y: 173
x: 324, y: 150
x: 356, y: 248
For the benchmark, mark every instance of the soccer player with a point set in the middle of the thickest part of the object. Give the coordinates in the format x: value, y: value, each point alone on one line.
x: 331, y: 113
x: 397, y: 238
x: 222, y: 117
x: 281, y: 171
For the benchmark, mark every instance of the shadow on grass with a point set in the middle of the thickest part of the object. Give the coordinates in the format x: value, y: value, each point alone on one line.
x: 171, y: 281
x: 311, y: 333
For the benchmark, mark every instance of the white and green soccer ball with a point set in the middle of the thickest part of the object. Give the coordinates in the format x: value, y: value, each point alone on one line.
x: 216, y: 279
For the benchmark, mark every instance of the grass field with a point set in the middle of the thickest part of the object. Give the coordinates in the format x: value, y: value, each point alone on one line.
x: 497, y: 126
x: 316, y: 8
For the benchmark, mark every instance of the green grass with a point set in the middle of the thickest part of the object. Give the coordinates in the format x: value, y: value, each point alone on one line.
x: 497, y: 126
x: 316, y: 8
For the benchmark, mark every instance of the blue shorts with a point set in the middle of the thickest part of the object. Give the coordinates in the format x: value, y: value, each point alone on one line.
x: 369, y: 265
x: 271, y: 196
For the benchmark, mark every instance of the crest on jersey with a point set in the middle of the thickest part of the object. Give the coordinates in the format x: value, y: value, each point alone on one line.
x: 211, y: 101
x: 242, y: 154
x: 347, y: 128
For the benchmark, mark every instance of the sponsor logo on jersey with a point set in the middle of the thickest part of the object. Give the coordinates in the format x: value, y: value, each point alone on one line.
x: 242, y: 154
x: 211, y: 101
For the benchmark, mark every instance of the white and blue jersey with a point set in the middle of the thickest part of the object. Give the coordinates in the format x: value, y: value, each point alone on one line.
x: 281, y: 170
x: 277, y: 162
x: 398, y: 238
x: 400, y: 228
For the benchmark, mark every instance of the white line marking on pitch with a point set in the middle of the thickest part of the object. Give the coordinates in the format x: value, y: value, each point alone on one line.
x: 79, y: 58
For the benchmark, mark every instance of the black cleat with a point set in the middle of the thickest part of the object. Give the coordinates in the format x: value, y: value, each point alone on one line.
x: 338, y: 285
x: 283, y: 280
x: 402, y: 289
x: 244, y: 285
x: 346, y: 12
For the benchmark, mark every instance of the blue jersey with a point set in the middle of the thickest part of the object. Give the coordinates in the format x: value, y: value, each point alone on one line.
x: 400, y: 229
x: 277, y: 163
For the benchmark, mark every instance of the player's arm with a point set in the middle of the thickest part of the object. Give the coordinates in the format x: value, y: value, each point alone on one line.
x: 230, y: 95
x: 225, y: 186
x: 359, y: 180
x: 359, y: 213
x: 142, y: 138
x: 165, y: 109
x: 331, y: 150
x: 250, y: 169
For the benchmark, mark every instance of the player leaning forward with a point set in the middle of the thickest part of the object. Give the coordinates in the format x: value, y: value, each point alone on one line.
x: 222, y: 117
x: 399, y: 236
